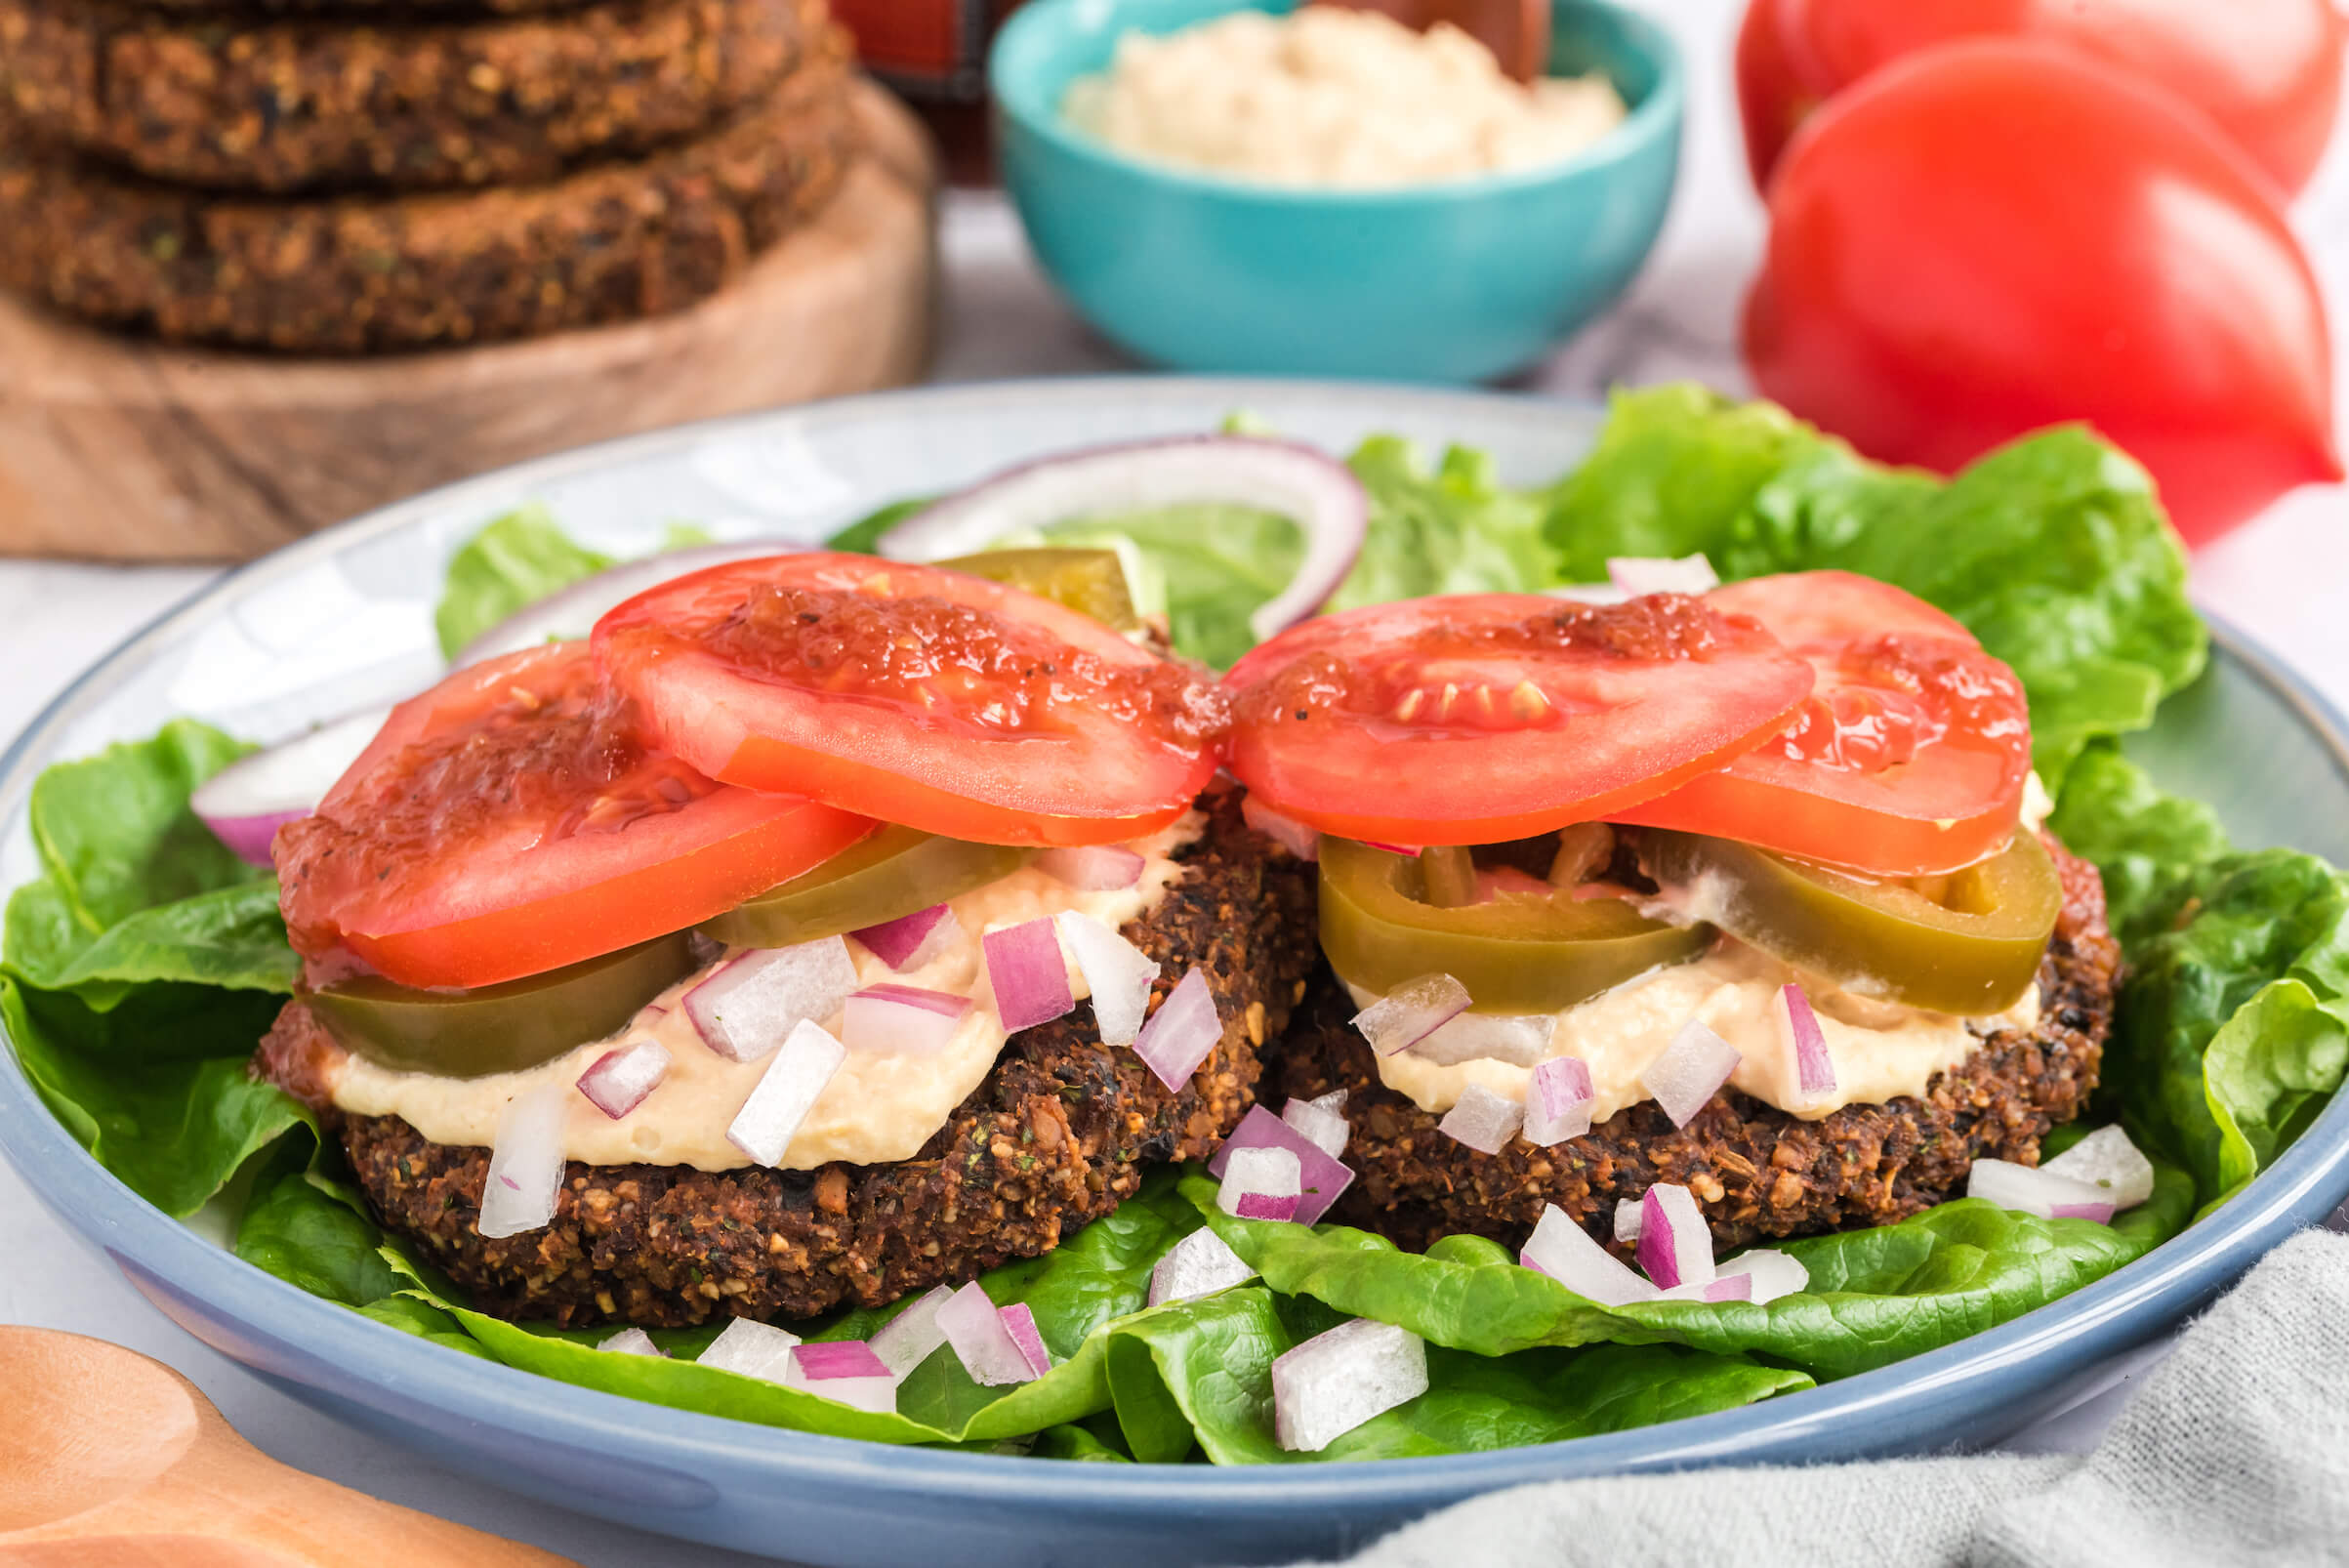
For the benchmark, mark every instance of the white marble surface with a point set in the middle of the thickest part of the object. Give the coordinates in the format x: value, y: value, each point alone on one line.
x: 2280, y: 578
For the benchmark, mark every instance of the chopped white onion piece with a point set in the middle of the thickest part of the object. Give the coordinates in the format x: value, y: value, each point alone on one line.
x: 1411, y: 1013
x: 1322, y: 1176
x: 751, y: 1004
x: 901, y: 1021
x: 907, y: 1340
x: 631, y: 1342
x: 1325, y: 1130
x: 619, y: 1081
x: 1565, y: 1252
x: 1675, y: 1244
x: 2048, y: 1194
x: 1290, y: 834
x: 1772, y: 1273
x: 1027, y: 973
x: 1181, y: 1034
x: 1117, y: 973
x: 1661, y: 574
x: 1200, y: 1264
x: 1334, y: 1101
x: 1690, y: 1072
x: 2109, y: 1162
x: 1482, y: 1120
x: 1730, y: 1288
x: 785, y: 1094
x: 1019, y: 1322
x: 1094, y: 868
x: 752, y: 1349
x: 976, y: 1331
x: 1805, y: 1041
x: 1261, y: 1184
x: 1487, y: 1037
x: 1626, y: 1219
x: 911, y: 940
x: 1335, y: 1381
x: 1557, y: 1102
x: 847, y: 1370
x: 524, y: 1181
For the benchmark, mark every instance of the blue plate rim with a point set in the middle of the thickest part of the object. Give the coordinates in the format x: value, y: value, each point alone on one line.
x: 2302, y: 1186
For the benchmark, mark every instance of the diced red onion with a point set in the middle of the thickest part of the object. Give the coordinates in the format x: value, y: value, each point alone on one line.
x: 1321, y: 1177
x: 751, y: 1006
x: 848, y: 1372
x: 1411, y: 1013
x: 1410, y: 852
x: 1290, y: 834
x: 246, y: 803
x: 980, y: 1339
x: 570, y: 613
x: 1323, y: 495
x: 1118, y: 974
x: 1675, y: 1246
x: 1482, y: 1120
x: 1639, y: 575
x: 1019, y: 1322
x: 786, y: 1093
x: 631, y: 1342
x: 911, y: 940
x: 1690, y: 1072
x: 907, y: 1340
x: 1027, y: 973
x: 2047, y: 1193
x: 1626, y: 1219
x: 619, y: 1081
x: 1730, y: 1288
x: 1261, y: 1183
x: 1557, y: 1102
x: 1799, y: 1032
x: 1096, y: 868
x: 752, y: 1349
x: 1334, y: 1101
x: 1770, y: 1273
x: 2109, y: 1162
x: 901, y: 1019
x: 1200, y: 1264
x: 525, y: 1181
x: 1335, y: 1381
x: 1565, y: 1252
x: 1183, y: 1032
x: 1523, y: 1040
x: 1325, y: 1129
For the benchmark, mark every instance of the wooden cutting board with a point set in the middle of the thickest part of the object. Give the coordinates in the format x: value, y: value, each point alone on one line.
x: 125, y: 449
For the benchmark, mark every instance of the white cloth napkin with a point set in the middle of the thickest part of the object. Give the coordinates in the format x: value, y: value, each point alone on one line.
x: 2235, y: 1452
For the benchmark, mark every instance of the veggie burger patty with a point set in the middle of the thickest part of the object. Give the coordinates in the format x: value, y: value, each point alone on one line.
x: 1755, y: 1170
x: 1055, y: 1136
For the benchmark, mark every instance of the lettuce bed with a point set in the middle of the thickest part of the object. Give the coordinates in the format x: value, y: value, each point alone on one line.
x: 138, y: 971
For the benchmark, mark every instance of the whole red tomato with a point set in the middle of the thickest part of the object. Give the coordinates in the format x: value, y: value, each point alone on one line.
x: 1999, y: 235
x: 2267, y: 72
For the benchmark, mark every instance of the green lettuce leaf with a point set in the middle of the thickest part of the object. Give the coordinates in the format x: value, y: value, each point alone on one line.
x: 1451, y: 529
x: 511, y: 564
x: 2143, y: 839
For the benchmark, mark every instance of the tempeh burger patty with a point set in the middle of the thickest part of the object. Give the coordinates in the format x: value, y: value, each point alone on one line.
x: 1757, y: 1172
x: 1056, y: 1135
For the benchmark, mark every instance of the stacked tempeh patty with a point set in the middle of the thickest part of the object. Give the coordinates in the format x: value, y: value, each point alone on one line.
x: 320, y: 184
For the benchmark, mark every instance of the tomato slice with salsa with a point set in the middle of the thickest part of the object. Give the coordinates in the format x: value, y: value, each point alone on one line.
x: 511, y: 822
x: 1484, y: 718
x: 1908, y: 759
x: 922, y: 696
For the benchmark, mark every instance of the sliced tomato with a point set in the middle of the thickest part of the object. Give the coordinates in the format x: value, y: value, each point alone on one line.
x: 1489, y: 717
x: 921, y: 696
x: 510, y: 821
x: 1908, y: 757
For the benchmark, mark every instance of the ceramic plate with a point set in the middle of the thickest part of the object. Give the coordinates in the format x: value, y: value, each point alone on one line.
x: 345, y: 619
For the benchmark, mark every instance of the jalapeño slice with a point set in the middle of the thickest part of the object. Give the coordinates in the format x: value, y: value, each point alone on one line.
x: 896, y: 872
x: 1967, y: 943
x: 1516, y: 951
x: 499, y: 1028
x: 1091, y: 582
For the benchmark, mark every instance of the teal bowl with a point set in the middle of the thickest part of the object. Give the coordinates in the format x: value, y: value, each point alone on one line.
x: 1462, y: 280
